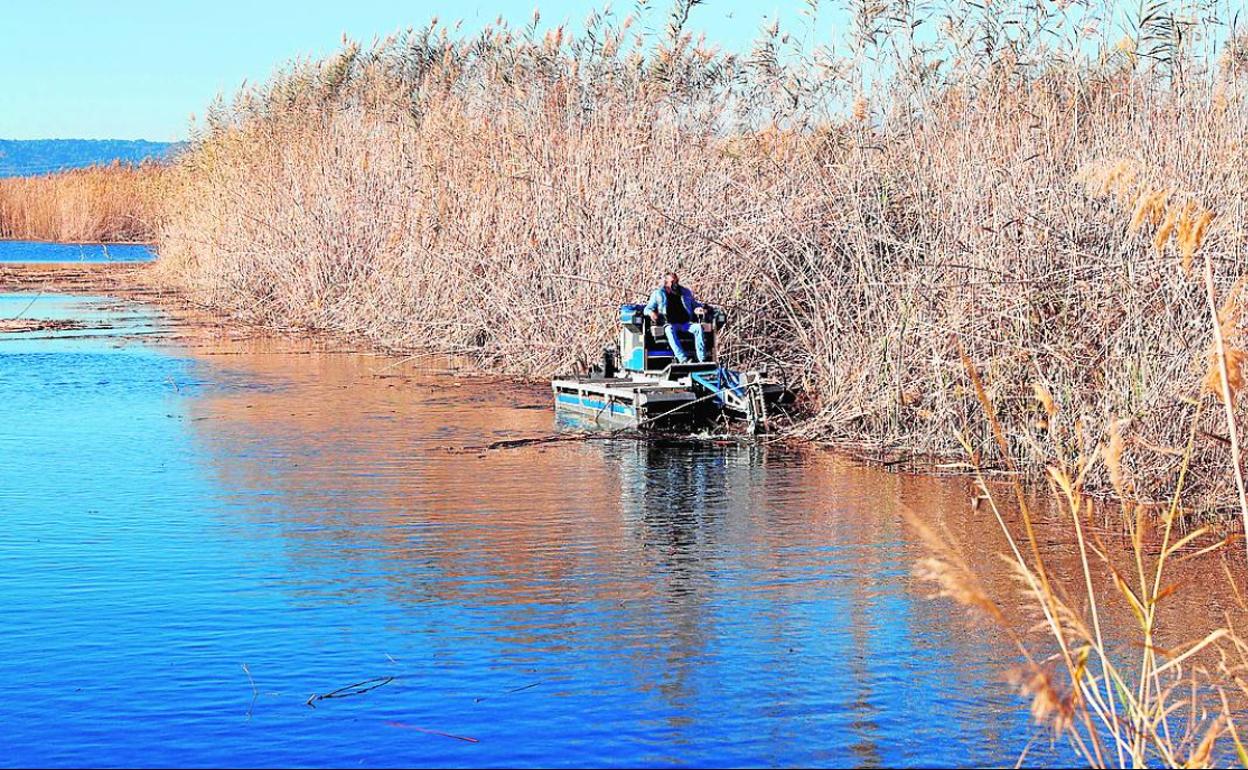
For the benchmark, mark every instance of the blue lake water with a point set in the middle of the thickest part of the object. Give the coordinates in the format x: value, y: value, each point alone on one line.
x: 39, y: 251
x: 199, y: 538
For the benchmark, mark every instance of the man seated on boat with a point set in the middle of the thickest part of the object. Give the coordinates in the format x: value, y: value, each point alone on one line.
x: 678, y: 308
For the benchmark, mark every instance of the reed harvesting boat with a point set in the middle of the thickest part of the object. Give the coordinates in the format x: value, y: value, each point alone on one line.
x: 640, y: 384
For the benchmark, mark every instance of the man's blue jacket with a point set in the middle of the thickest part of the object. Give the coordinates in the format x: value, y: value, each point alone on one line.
x: 658, y: 301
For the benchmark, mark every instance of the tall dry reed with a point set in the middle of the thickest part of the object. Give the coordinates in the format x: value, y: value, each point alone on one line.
x: 113, y: 203
x: 856, y: 207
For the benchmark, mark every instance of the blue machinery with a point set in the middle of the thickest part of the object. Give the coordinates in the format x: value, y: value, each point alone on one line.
x: 640, y: 384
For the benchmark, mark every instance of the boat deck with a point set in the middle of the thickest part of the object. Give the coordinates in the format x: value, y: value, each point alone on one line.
x: 624, y: 401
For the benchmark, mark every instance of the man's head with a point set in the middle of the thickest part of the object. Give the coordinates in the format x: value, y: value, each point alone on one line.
x: 670, y: 281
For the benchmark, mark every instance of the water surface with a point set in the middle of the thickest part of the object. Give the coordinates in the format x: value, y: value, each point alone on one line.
x: 41, y: 251
x: 201, y: 537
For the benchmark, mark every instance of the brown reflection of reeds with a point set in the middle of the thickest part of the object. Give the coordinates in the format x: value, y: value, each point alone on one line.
x: 381, y: 455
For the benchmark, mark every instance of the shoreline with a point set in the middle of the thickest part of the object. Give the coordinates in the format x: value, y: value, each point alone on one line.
x: 127, y: 281
x: 150, y: 244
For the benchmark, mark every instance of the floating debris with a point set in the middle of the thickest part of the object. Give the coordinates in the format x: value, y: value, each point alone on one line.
x: 405, y: 726
x: 359, y: 688
x: 24, y: 325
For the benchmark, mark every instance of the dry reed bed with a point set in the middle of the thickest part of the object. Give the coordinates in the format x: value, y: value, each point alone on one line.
x: 106, y: 203
x: 497, y: 195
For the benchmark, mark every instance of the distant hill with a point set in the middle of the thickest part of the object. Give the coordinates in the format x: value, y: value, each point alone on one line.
x: 25, y: 157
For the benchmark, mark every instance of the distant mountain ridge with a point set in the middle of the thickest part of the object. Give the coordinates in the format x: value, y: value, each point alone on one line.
x: 26, y: 157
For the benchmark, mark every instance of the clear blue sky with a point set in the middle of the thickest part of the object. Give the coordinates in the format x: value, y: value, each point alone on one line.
x: 137, y: 69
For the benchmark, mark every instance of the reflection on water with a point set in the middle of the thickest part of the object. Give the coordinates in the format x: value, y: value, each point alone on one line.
x: 326, y: 518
